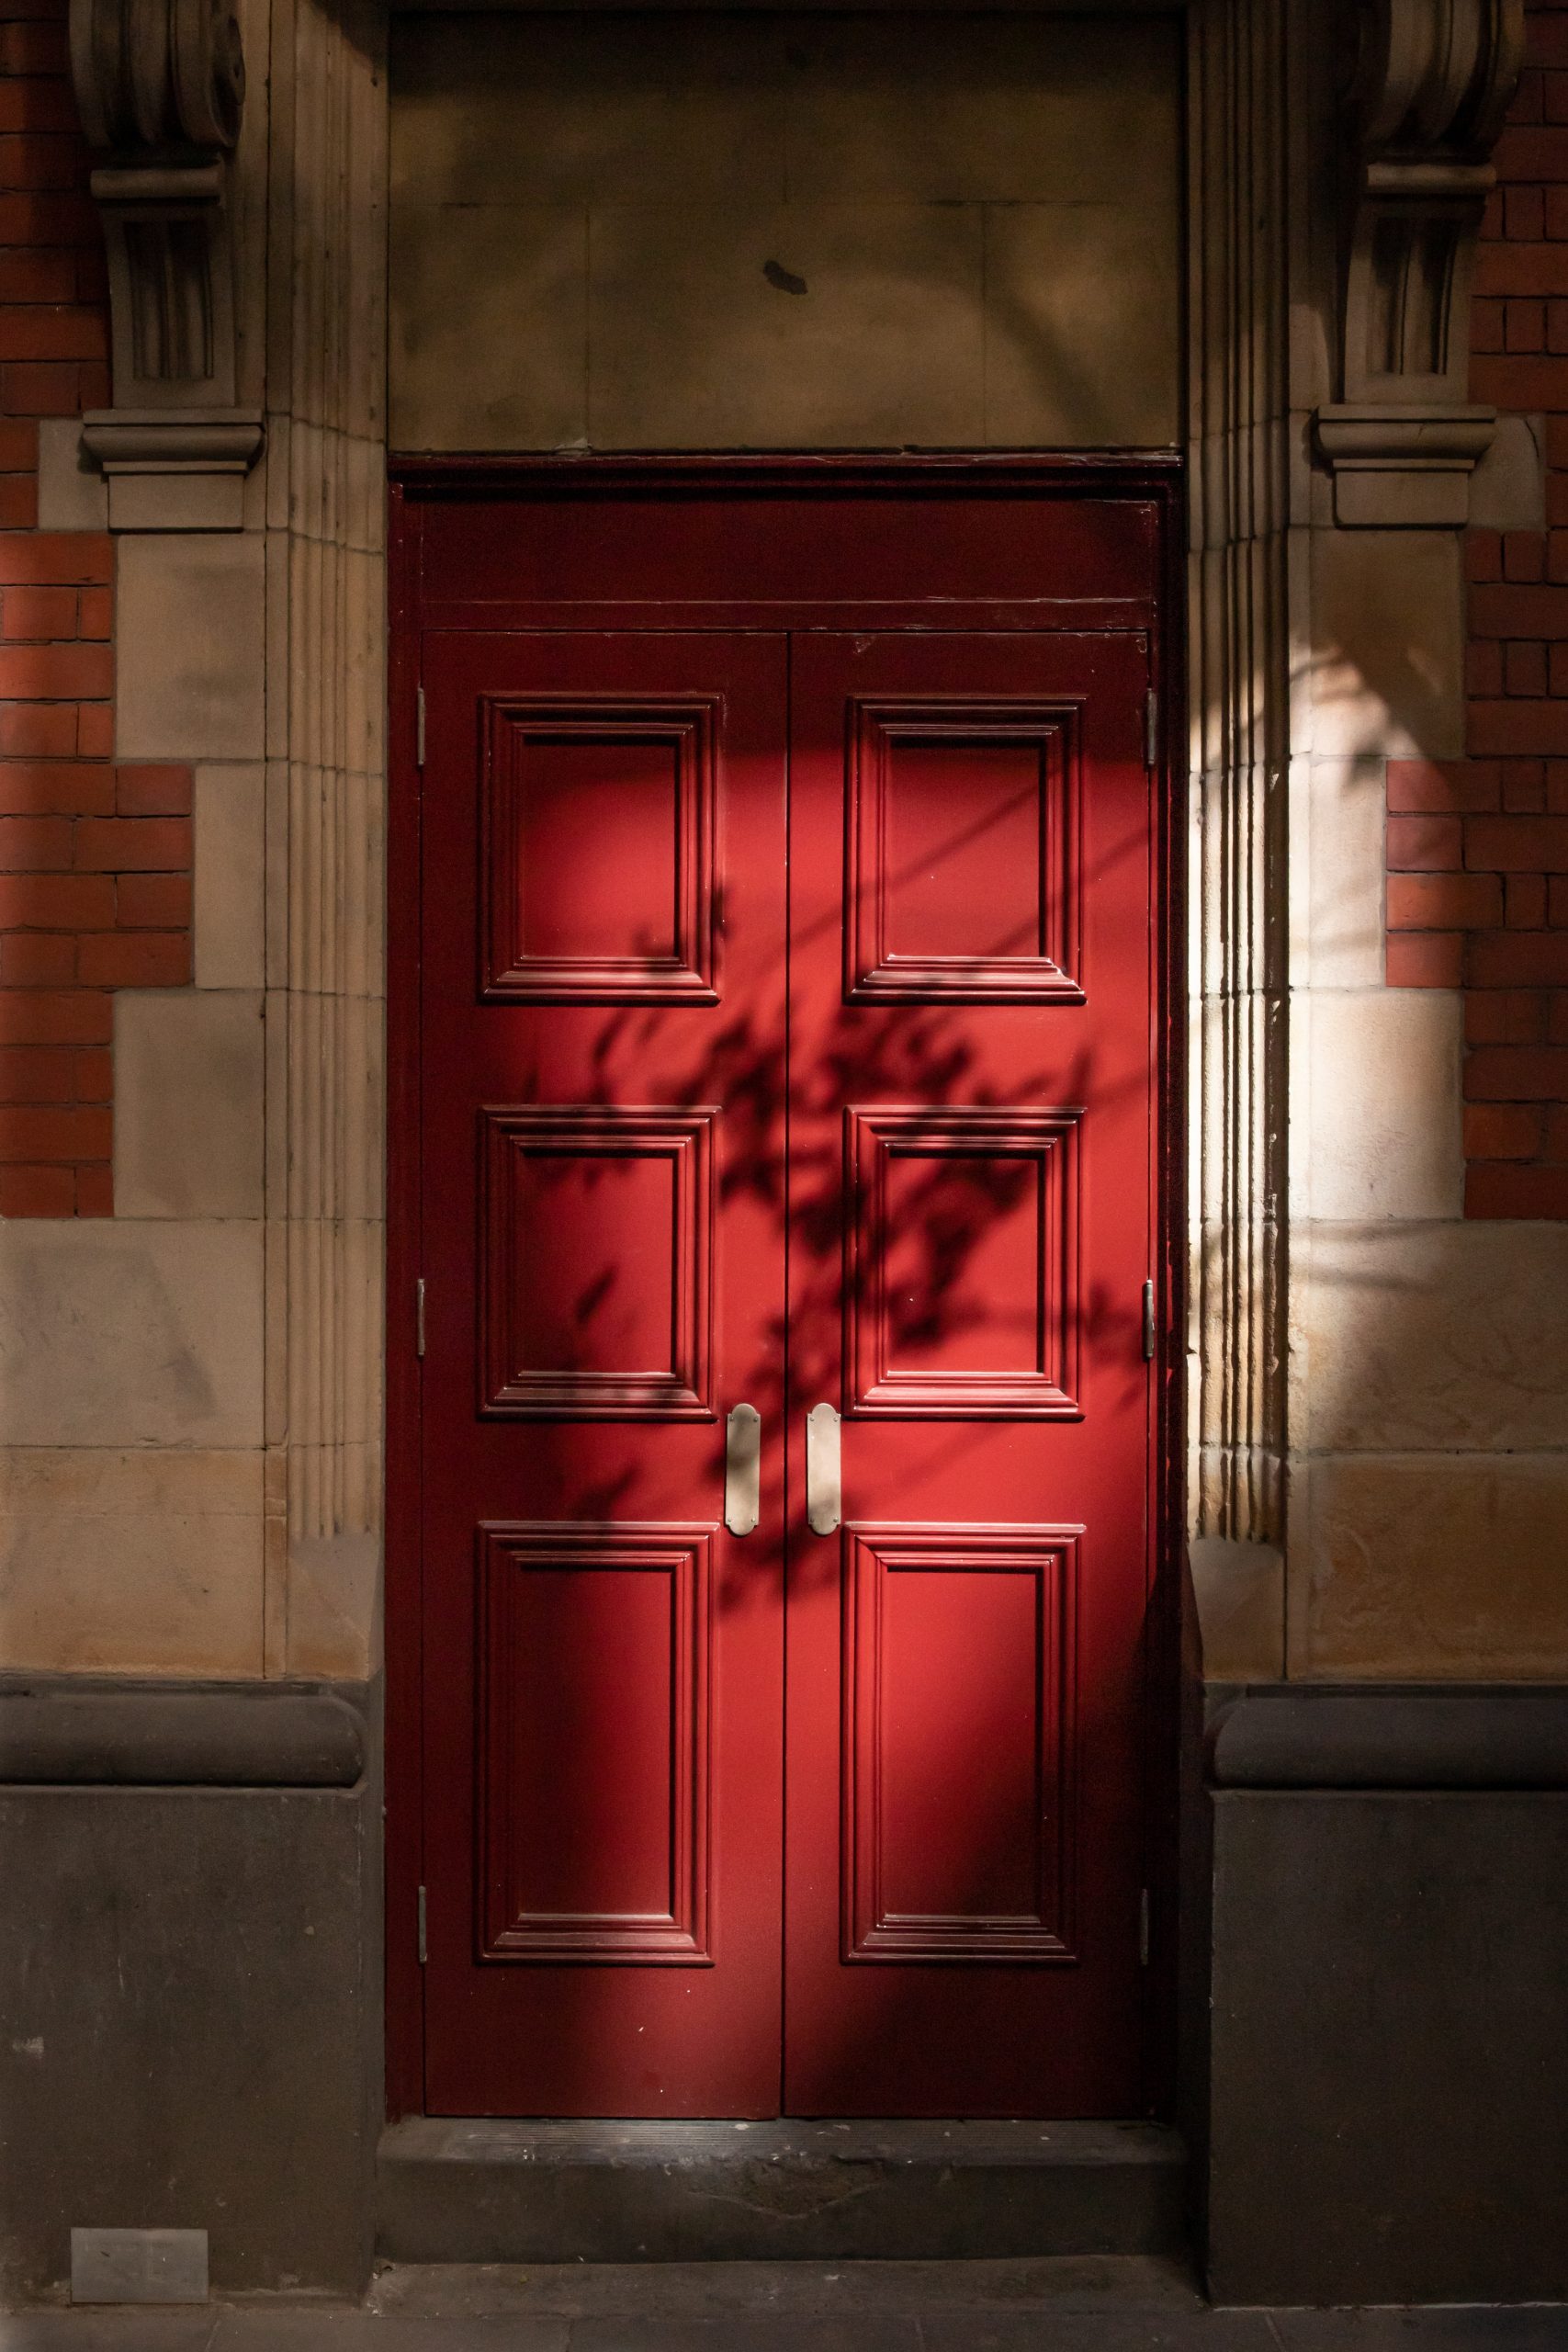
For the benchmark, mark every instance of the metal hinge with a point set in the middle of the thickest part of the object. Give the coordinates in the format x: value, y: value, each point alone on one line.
x: 1151, y: 728
x: 1148, y: 1323
x: 419, y: 727
x: 1143, y: 1928
x: 424, y: 1954
x: 419, y: 1317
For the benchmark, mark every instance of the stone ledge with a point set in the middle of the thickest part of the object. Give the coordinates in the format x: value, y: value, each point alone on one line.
x: 57, y: 1731
x: 1389, y: 1735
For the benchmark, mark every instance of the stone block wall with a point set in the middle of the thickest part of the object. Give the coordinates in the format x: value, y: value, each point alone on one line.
x: 1478, y: 847
x: 95, y: 857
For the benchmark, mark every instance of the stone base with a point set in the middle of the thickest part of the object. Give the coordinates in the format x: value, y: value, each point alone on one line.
x: 459, y: 2191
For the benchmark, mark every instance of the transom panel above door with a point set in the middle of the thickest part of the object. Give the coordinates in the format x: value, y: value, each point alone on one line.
x: 788, y: 1016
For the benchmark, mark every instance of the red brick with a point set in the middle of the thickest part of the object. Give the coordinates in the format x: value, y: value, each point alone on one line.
x: 1516, y: 1074
x: 1514, y: 380
x: 1423, y: 844
x: 1441, y: 787
x: 1529, y: 97
x: 1443, y: 901
x: 1524, y: 902
x: 94, y: 1074
x: 1557, y: 555
x: 1557, y: 787
x: 1554, y: 1142
x: 58, y: 1017
x: 44, y: 331
x: 47, y: 105
x: 1522, y: 268
x: 37, y: 731
x: 1517, y: 844
x: 94, y: 612
x: 1502, y: 1130
x: 1526, y: 152
x: 37, y: 1191
x: 133, y: 844
x: 56, y: 673
x: 1516, y: 729
x: 57, y: 901
x: 1488, y: 326
x: 153, y: 791
x: 1523, y: 786
x: 38, y: 159
x: 1501, y: 1189
x: 1482, y: 666
x: 1425, y: 959
x: 1524, y: 218
x: 76, y: 1134
x: 1524, y: 330
x: 37, y: 960
x: 1557, y: 669
x: 1557, y: 901
x: 1506, y: 610
x: 153, y: 902
x: 48, y: 275
x: 19, y: 446
x: 35, y: 845
x: 38, y: 1074
x: 18, y: 502
x: 55, y: 788
x: 1506, y: 1017
x: 1518, y: 959
x: 93, y: 383
x: 95, y: 1191
x: 1483, y: 555
x: 1557, y: 327
x: 145, y: 959
x: 80, y: 559
x: 38, y: 386
x: 94, y: 731
x: 50, y: 613
x: 41, y: 49
x: 1524, y: 668
x: 1524, y: 555
x: 1557, y: 1018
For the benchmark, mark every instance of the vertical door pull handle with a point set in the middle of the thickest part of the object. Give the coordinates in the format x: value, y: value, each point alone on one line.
x: 742, y: 1469
x: 824, y: 1490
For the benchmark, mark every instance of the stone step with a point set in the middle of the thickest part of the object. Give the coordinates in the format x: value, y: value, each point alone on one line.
x: 452, y: 2189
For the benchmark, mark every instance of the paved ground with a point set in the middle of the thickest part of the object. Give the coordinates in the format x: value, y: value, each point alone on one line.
x: 1061, y: 2306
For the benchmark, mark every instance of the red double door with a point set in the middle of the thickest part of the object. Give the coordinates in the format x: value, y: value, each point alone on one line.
x: 787, y: 1011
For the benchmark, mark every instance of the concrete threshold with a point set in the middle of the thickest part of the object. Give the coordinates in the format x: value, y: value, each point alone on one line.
x: 455, y: 2191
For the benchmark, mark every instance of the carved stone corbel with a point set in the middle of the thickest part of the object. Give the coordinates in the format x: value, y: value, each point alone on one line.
x: 1429, y: 89
x: 161, y: 86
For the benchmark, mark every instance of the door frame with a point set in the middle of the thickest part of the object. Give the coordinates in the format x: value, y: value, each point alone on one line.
x: 415, y: 484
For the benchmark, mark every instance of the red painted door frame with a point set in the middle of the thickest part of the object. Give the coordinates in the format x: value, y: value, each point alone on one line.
x: 418, y: 485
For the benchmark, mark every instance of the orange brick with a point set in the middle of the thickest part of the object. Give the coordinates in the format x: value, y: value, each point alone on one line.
x: 1425, y: 959
x: 1441, y: 787
x: 68, y: 558
x: 1423, y: 844
x: 56, y: 673
x: 1444, y: 901
x: 1517, y: 844
x: 1516, y: 1074
x: 94, y: 1074
x: 55, y: 787
x: 1502, y: 1130
x: 56, y: 901
x: 94, y: 731
x: 57, y: 1017
x: 1506, y: 1017
x: 80, y: 1133
x: 1499, y: 1189
x: 95, y: 1191
x: 35, y: 845
x: 133, y: 959
x: 38, y: 613
x: 133, y: 844
x: 37, y: 1191
x: 153, y: 902
x: 1524, y: 902
x: 1518, y: 959
x: 37, y: 731
x: 153, y: 791
x: 95, y: 617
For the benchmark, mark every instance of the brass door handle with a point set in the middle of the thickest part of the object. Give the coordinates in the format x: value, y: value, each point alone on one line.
x: 824, y: 1487
x: 742, y: 1469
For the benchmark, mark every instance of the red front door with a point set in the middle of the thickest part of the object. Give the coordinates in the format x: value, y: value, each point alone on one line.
x: 787, y: 1038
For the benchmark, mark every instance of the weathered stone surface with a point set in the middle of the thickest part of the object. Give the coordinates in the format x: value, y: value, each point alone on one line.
x: 120, y: 1333
x: 1452, y: 1336
x: 1376, y: 1094
x: 194, y: 1970
x: 1430, y: 1565
x: 189, y: 1069
x: 1386, y: 661
x: 144, y: 1561
x: 189, y: 646
x: 229, y: 913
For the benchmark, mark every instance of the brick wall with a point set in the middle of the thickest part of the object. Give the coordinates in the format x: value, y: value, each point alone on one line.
x: 95, y: 860
x: 1478, y: 849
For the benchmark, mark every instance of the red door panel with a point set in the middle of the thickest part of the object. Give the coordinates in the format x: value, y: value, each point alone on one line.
x: 604, y: 952
x: 787, y: 1037
x: 970, y: 1151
